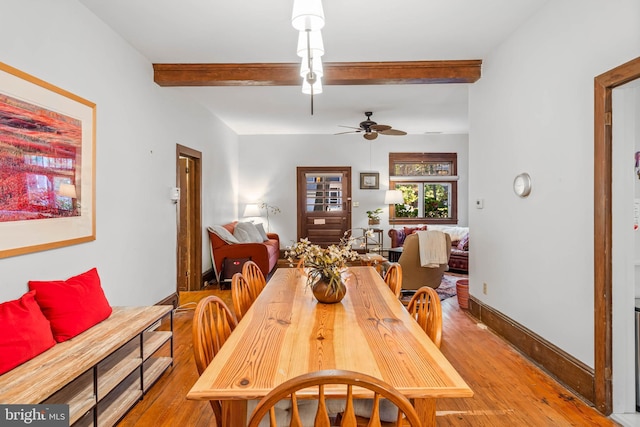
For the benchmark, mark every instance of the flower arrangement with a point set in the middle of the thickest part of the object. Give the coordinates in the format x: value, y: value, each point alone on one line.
x: 325, y: 264
x: 269, y: 208
x: 374, y: 216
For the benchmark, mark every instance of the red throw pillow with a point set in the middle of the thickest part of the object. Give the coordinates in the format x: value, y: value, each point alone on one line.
x: 73, y: 305
x: 25, y: 332
x: 411, y: 230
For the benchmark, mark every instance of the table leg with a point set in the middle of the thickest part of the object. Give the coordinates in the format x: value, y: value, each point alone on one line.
x: 234, y: 413
x: 426, y: 409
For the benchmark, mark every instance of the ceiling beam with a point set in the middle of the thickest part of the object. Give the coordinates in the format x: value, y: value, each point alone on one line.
x: 335, y: 73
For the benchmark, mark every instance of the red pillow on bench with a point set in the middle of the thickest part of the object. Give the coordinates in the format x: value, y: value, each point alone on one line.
x: 73, y: 305
x: 25, y: 332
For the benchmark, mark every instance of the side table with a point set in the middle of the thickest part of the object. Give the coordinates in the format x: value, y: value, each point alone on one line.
x: 394, y: 254
x: 374, y: 243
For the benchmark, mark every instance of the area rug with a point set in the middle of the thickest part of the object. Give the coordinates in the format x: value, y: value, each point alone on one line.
x: 447, y: 288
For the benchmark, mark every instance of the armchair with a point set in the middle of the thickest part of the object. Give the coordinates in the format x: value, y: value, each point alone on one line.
x: 414, y: 276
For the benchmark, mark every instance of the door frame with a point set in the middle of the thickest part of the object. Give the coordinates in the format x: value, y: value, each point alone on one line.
x: 195, y: 247
x: 602, y: 242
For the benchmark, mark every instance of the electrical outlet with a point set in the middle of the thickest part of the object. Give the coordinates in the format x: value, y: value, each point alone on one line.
x: 484, y: 288
x: 356, y: 204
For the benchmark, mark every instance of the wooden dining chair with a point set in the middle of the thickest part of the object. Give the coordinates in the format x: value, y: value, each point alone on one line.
x: 407, y: 414
x: 393, y: 278
x: 253, y: 275
x: 426, y: 308
x: 213, y: 322
x: 241, y: 295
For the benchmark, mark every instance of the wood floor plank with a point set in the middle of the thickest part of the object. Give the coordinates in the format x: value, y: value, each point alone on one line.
x: 509, y: 389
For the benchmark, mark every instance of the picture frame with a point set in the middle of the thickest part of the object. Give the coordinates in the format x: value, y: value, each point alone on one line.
x: 47, y: 165
x: 369, y: 180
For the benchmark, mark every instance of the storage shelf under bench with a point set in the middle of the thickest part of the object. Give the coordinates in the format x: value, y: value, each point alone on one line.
x: 100, y: 373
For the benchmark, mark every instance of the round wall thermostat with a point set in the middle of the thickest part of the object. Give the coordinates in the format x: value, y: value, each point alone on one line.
x: 522, y: 185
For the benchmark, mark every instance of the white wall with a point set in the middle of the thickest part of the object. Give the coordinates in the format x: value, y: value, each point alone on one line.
x: 268, y: 171
x: 532, y: 111
x: 138, y: 126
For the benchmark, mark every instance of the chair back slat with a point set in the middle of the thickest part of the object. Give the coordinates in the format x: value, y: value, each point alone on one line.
x: 241, y: 295
x: 393, y: 278
x: 213, y: 322
x: 253, y: 275
x: 426, y: 308
x: 407, y: 415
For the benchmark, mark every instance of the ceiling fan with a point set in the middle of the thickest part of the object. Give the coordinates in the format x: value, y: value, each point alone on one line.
x: 371, y: 129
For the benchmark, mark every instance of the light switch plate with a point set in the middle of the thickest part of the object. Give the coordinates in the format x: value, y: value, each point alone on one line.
x: 479, y: 203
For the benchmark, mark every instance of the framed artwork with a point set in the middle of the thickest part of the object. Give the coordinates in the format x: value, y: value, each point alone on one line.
x: 47, y: 165
x: 369, y: 180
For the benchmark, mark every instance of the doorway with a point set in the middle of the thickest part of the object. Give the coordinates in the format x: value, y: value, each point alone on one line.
x: 603, y: 235
x: 189, y: 233
x: 324, y: 203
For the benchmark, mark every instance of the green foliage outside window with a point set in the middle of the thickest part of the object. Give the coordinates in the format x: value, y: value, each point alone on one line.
x: 435, y: 201
x: 410, y: 207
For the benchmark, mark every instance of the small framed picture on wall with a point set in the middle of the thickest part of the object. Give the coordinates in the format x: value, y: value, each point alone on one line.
x: 369, y: 180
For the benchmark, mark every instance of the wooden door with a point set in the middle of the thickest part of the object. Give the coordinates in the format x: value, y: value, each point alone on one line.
x: 324, y: 203
x: 189, y: 271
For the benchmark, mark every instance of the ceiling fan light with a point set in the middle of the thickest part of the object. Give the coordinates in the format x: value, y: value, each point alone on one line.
x: 317, y: 87
x: 315, y: 43
x: 316, y: 66
x: 307, y: 15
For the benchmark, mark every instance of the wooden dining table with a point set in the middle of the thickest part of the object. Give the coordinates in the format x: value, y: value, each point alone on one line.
x: 287, y: 333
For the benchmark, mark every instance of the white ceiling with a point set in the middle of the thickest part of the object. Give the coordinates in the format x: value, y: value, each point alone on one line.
x: 242, y: 31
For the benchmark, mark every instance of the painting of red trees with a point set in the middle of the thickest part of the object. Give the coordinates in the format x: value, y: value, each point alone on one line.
x: 39, y: 152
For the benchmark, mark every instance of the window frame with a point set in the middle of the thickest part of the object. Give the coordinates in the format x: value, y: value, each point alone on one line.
x: 451, y: 179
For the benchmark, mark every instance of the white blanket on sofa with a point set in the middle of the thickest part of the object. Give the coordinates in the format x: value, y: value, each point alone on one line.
x: 432, y: 245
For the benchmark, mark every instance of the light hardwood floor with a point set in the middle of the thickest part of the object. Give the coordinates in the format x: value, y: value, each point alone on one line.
x: 509, y: 390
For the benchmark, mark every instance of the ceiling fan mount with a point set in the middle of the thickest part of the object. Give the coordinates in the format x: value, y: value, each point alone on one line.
x: 371, y: 129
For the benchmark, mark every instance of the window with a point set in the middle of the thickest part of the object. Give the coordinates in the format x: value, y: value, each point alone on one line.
x: 324, y: 192
x: 429, y: 186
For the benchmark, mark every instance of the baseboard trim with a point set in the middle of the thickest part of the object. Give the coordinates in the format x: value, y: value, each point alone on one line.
x: 565, y: 368
x: 170, y: 300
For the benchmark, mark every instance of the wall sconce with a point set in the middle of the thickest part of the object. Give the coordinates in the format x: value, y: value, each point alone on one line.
x: 393, y: 197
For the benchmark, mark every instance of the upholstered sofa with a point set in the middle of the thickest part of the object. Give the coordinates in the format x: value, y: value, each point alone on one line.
x: 459, y: 260
x: 263, y: 251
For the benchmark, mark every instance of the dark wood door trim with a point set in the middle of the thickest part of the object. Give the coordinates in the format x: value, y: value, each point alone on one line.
x: 195, y: 273
x: 602, y: 195
x: 335, y: 73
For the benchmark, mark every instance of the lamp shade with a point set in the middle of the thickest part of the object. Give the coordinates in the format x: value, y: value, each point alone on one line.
x: 67, y: 190
x: 316, y: 64
x: 251, y: 209
x: 307, y: 15
x: 315, y: 44
x: 393, y: 197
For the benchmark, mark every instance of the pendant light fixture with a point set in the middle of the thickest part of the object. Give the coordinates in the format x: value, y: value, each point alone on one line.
x: 308, y: 19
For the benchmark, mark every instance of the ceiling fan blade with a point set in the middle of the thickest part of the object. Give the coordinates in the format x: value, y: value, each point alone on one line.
x: 379, y: 128
x: 351, y: 131
x: 393, y: 132
x: 351, y: 127
x: 370, y: 136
